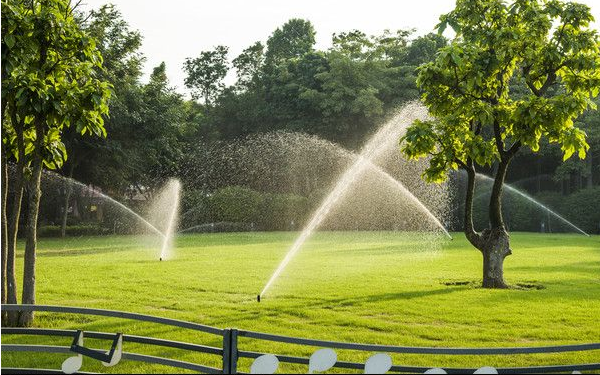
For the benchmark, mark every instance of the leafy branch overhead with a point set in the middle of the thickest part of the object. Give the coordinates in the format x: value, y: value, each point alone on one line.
x: 513, y: 75
x: 49, y: 75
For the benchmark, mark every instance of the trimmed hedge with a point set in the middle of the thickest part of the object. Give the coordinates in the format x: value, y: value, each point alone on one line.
x: 236, y: 208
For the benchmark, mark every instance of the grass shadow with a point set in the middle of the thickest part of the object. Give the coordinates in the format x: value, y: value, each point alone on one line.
x: 77, y: 252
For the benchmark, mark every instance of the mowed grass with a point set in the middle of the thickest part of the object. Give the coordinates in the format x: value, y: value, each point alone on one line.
x: 370, y: 287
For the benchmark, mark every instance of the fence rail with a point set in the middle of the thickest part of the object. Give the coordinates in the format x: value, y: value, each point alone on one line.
x: 230, y: 353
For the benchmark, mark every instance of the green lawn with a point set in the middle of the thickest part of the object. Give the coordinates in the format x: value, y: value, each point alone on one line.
x: 371, y: 287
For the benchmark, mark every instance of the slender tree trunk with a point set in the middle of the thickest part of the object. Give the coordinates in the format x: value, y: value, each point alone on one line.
x: 13, y: 224
x: 469, y: 228
x: 4, y: 202
x: 4, y: 231
x: 538, y: 176
x: 65, y: 213
x: 34, y: 194
x: 590, y: 165
x: 13, y: 230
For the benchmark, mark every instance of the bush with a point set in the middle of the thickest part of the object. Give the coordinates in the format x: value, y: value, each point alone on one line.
x: 236, y: 204
x: 283, y: 211
x: 236, y: 208
x: 583, y: 209
x: 195, y: 208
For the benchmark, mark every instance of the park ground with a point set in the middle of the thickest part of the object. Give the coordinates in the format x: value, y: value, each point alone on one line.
x: 370, y: 287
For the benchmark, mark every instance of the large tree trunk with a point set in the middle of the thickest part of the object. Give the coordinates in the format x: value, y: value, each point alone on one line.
x: 493, y: 242
x: 497, y: 241
x: 34, y: 194
x: 495, y: 250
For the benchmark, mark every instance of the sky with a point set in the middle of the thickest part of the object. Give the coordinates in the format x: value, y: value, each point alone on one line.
x: 176, y: 29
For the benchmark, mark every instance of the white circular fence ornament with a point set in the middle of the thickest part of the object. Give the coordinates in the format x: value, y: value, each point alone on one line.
x: 379, y: 363
x: 72, y: 364
x: 265, y: 364
x: 322, y: 360
x: 435, y: 371
x: 486, y: 370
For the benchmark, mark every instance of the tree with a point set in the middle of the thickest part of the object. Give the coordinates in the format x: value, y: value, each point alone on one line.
x: 423, y: 49
x: 49, y: 85
x: 90, y: 157
x: 294, y: 39
x: 546, y: 45
x: 248, y: 66
x: 365, y: 77
x: 205, y: 74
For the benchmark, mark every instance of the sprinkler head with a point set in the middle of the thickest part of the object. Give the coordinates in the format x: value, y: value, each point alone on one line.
x: 160, y: 259
x: 258, y: 298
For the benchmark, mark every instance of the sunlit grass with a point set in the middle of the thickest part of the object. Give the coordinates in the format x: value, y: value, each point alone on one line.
x: 371, y: 287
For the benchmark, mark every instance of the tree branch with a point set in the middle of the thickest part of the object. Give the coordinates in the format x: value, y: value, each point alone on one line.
x: 469, y: 228
x: 498, y: 139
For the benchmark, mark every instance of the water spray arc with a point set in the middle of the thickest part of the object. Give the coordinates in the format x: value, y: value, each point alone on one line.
x: 109, y: 199
x: 532, y: 200
x: 387, y: 136
x: 165, y: 209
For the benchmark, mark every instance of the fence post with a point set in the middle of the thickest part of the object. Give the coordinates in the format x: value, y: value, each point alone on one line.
x: 226, y: 351
x: 233, y: 356
x: 230, y: 351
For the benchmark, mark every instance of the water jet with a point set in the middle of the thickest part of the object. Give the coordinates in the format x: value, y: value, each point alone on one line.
x: 386, y: 137
x: 532, y: 200
x: 55, y: 176
x: 164, y: 212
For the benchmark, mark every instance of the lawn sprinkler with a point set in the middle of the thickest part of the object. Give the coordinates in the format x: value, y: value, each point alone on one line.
x: 258, y: 298
x: 160, y: 259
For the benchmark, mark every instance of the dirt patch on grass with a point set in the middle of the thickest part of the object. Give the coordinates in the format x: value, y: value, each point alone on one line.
x: 523, y: 285
x: 469, y: 283
x: 529, y: 285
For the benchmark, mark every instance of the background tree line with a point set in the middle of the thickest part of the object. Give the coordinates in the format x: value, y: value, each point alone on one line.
x: 341, y: 94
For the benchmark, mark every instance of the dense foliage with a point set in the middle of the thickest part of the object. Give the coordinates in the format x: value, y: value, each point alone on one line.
x: 282, y: 83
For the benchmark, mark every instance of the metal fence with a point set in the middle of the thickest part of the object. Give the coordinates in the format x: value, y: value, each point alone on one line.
x: 230, y: 351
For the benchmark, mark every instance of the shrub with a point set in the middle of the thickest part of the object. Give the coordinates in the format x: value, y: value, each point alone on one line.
x: 583, y: 209
x: 236, y: 204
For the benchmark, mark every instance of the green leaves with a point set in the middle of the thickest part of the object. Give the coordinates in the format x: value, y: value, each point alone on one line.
x: 50, y: 81
x: 205, y: 73
x: 571, y: 141
x: 419, y: 140
x: 469, y: 87
x: 10, y: 40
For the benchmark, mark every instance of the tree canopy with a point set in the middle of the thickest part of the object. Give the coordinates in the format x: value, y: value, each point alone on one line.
x: 547, y: 47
